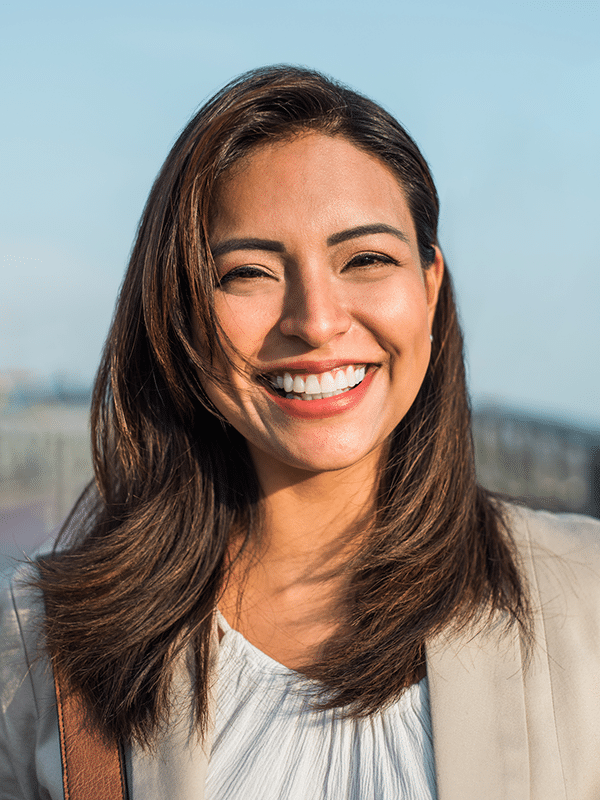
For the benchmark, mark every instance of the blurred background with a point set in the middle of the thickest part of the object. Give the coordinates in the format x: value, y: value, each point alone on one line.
x: 502, y: 97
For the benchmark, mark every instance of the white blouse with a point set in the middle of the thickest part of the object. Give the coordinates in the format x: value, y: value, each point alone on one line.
x: 271, y: 745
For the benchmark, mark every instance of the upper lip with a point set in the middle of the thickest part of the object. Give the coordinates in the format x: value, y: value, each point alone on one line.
x: 309, y: 367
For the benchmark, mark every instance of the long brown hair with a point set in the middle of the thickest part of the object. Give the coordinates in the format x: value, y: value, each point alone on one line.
x: 136, y: 575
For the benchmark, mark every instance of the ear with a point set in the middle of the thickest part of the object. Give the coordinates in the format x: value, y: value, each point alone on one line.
x: 433, y: 276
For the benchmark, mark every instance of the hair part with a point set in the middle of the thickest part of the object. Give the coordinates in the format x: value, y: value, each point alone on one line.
x: 137, y: 572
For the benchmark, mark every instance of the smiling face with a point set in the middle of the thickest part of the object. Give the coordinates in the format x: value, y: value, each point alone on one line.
x: 323, y: 296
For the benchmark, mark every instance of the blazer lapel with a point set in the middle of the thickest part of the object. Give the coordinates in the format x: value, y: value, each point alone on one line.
x: 494, y: 727
x: 478, y: 717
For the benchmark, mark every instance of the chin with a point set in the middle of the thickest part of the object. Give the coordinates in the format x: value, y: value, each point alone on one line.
x: 321, y: 458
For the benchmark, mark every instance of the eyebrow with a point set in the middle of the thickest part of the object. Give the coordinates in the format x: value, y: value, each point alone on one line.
x: 228, y: 245
x: 366, y: 230
x: 272, y: 246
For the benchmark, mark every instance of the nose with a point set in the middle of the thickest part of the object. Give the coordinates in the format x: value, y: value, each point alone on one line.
x: 313, y: 311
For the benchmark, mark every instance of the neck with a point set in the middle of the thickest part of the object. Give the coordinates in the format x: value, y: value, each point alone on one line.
x: 286, y: 595
x: 313, y: 518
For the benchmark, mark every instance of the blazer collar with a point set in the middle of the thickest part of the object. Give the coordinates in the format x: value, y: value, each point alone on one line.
x: 478, y: 716
x: 493, y: 718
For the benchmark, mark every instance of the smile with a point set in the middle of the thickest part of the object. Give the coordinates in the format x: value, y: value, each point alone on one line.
x: 316, y: 386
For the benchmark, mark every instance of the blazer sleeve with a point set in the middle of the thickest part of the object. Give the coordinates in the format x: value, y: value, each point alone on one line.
x: 30, y: 766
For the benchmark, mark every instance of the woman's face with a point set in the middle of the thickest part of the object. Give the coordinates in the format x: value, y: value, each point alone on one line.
x: 320, y: 287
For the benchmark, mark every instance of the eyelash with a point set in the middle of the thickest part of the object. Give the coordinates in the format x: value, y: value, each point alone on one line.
x: 368, y: 259
x: 241, y: 272
x: 360, y: 261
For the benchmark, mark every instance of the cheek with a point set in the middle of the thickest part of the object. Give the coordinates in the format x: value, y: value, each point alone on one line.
x: 247, y: 321
x: 399, y: 315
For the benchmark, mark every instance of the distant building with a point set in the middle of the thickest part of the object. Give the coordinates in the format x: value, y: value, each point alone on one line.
x: 21, y: 389
x: 546, y: 464
x: 44, y: 455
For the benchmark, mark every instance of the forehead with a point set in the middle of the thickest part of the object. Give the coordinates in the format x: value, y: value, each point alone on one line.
x: 309, y: 180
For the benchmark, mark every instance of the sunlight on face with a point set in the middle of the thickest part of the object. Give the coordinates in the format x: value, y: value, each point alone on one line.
x: 322, y: 292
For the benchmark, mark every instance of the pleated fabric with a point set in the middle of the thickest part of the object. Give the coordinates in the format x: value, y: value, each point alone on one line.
x: 271, y: 745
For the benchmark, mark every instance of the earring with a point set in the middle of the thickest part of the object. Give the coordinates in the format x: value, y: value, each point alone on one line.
x: 431, y: 337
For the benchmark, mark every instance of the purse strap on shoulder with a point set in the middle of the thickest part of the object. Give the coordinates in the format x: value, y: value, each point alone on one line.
x: 92, y: 768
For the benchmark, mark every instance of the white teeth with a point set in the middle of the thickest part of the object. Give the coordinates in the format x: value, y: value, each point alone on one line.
x: 341, y: 382
x: 298, y: 386
x: 327, y: 382
x: 315, y: 387
x: 292, y: 396
x: 312, y: 384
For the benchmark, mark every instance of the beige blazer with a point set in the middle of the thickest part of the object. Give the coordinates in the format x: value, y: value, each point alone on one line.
x: 506, y: 726
x: 505, y: 729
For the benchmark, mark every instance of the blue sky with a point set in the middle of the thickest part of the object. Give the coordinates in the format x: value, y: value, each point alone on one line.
x: 501, y: 96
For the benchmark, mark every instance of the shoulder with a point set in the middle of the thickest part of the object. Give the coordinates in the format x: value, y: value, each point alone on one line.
x: 21, y: 615
x: 28, y: 723
x: 562, y: 534
x: 571, y: 538
x: 560, y: 559
x: 21, y: 608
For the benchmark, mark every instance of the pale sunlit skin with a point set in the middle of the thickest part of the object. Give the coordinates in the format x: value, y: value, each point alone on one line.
x: 361, y: 301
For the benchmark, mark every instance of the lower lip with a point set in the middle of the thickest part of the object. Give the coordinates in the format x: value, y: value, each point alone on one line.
x: 328, y: 406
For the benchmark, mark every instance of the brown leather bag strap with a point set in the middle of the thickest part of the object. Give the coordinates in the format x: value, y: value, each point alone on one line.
x: 92, y: 768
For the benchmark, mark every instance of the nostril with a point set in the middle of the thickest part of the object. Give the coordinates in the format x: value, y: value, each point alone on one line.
x: 315, y: 323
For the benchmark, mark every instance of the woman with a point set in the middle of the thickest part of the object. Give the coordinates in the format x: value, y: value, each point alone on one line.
x: 285, y: 580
